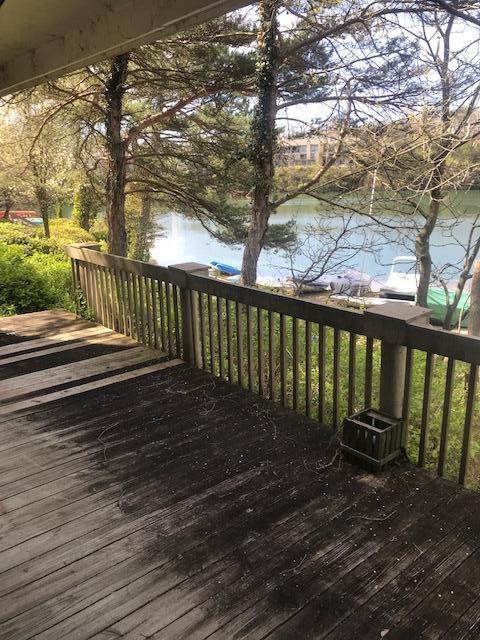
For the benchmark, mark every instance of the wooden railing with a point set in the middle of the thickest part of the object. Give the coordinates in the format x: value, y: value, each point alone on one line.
x: 323, y: 361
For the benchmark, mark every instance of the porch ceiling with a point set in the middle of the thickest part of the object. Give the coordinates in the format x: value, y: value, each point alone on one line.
x: 47, y: 39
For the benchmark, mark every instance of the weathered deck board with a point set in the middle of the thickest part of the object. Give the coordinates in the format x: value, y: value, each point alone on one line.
x: 140, y: 498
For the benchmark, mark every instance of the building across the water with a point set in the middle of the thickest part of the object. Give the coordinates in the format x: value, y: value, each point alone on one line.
x: 304, y: 151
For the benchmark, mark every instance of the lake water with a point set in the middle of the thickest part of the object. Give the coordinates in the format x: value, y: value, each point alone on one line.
x: 185, y: 240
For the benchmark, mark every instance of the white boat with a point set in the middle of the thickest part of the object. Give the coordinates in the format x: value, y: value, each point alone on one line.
x: 402, y: 281
x: 354, y: 283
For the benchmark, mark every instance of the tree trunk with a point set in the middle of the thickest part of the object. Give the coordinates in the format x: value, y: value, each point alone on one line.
x: 43, y: 204
x: 8, y: 201
x: 474, y: 315
x: 263, y: 138
x: 141, y: 249
x: 422, y: 248
x: 116, y: 152
x: 452, y: 306
x: 443, y: 147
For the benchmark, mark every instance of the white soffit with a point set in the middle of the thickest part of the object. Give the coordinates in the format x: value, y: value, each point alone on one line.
x: 41, y: 39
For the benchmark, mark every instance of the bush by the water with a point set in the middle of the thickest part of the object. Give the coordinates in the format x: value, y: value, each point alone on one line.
x: 35, y: 271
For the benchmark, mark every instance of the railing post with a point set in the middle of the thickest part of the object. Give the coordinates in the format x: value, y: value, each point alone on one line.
x: 189, y: 310
x: 390, y: 321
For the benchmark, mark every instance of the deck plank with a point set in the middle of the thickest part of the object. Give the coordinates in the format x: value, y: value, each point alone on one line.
x: 29, y: 346
x: 142, y: 498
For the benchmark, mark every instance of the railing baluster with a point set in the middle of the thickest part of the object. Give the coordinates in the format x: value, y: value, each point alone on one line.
x: 407, y: 396
x: 108, y: 300
x: 249, y: 347
x: 73, y: 266
x: 283, y: 361
x: 336, y: 377
x: 427, y: 387
x: 467, y: 428
x: 447, y: 403
x: 138, y: 331
x: 131, y: 305
x: 240, y: 373
x: 169, y: 318
x: 271, y: 354
x: 121, y: 289
x: 229, y: 322
x: 88, y: 285
x: 106, y: 303
x: 352, y: 372
x: 120, y: 302
x: 143, y: 311
x: 151, y: 335
x: 295, y: 364
x: 153, y: 294
x: 368, y: 372
x: 163, y: 319
x: 308, y: 368
x: 91, y: 295
x: 261, y: 361
x: 128, y: 286
x: 221, y: 351
x: 176, y: 317
x: 202, y: 330
x: 211, y: 333
x: 195, y: 309
x: 97, y: 299
x: 98, y: 294
x: 115, y: 301
x: 321, y: 373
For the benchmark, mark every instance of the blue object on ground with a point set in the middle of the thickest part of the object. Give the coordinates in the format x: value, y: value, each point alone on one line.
x: 225, y: 268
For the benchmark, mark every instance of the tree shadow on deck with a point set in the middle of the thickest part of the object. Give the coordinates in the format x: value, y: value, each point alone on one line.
x: 230, y: 503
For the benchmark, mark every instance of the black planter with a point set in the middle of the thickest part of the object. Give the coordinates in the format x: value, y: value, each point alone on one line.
x: 372, y: 439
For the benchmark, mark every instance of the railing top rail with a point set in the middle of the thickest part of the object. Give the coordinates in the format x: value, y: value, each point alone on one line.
x: 82, y: 252
x: 410, y: 331
x: 444, y: 343
x: 345, y: 319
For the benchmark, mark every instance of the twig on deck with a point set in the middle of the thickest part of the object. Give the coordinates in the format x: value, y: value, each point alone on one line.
x: 380, y: 519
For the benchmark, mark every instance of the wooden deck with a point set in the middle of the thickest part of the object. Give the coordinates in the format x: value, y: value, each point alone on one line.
x: 141, y: 498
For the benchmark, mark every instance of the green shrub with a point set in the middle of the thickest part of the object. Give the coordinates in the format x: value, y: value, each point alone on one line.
x: 22, y: 287
x: 64, y: 231
x: 12, y: 233
x: 34, y: 270
x: 55, y: 272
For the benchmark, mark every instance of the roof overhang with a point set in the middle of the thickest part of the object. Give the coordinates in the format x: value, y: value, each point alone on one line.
x: 42, y: 40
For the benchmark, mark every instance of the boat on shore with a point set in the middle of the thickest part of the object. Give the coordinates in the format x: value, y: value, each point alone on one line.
x: 402, y: 281
x: 225, y: 269
x: 359, y: 290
